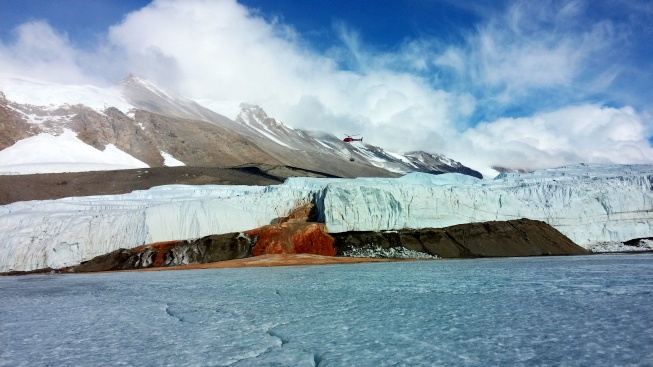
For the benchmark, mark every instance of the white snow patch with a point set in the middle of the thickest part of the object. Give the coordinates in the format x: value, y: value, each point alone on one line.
x: 45, y: 153
x: 266, y: 132
x: 399, y: 157
x: 170, y: 161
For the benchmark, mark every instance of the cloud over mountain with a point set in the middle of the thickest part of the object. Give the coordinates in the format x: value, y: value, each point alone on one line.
x: 530, y: 85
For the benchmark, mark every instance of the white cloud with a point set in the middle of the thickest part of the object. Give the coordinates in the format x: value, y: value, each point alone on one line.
x: 223, y: 51
x: 585, y: 133
x: 534, y: 46
x: 41, y: 52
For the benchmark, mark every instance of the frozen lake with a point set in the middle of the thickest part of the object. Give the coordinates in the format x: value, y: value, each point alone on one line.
x: 577, y: 311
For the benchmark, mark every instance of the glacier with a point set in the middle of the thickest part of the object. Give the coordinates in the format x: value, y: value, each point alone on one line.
x: 59, y: 233
x: 590, y: 204
x: 587, y: 203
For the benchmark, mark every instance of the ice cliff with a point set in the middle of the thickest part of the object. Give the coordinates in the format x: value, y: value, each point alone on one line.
x: 588, y: 203
x: 64, y: 232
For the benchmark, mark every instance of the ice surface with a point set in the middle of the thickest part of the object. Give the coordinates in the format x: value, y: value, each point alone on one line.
x: 571, y: 311
x: 589, y: 204
x: 64, y: 153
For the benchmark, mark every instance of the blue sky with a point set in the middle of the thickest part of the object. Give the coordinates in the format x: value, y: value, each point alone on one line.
x: 527, y: 83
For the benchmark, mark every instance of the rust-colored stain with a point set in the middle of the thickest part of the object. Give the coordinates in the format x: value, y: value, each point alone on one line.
x: 159, y: 249
x: 292, y: 238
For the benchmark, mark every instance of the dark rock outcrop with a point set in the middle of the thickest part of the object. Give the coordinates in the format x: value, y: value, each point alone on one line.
x: 174, y: 253
x: 523, y: 237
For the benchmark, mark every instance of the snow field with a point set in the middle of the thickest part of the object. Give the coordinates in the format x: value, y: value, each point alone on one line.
x: 45, y: 153
x: 40, y: 93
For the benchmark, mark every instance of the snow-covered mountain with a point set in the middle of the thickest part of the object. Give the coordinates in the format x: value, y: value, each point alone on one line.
x: 592, y: 205
x: 259, y: 123
x: 156, y: 127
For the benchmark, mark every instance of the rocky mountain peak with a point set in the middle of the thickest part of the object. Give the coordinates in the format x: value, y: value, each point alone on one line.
x: 133, y: 79
x: 501, y: 169
x: 134, y: 84
x: 254, y: 116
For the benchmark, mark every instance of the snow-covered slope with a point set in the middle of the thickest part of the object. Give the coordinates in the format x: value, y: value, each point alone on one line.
x: 143, y: 94
x: 590, y: 204
x: 35, y: 92
x: 401, y: 163
x: 45, y: 153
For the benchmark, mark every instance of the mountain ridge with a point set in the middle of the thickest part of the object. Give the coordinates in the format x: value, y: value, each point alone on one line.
x: 152, y: 124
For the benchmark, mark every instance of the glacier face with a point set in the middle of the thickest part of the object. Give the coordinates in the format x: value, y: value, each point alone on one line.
x: 64, y: 232
x: 588, y: 203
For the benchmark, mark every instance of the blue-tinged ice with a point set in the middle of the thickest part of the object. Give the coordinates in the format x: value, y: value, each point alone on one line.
x: 555, y: 311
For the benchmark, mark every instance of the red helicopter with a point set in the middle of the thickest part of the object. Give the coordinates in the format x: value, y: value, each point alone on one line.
x: 349, y: 138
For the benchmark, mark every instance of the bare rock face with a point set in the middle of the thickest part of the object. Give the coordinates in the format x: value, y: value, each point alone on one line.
x: 114, y: 127
x: 12, y: 126
x: 523, y: 237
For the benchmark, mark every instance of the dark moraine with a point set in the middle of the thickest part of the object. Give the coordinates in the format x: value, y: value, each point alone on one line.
x: 522, y: 237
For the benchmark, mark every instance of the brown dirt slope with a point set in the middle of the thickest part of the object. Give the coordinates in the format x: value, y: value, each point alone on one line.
x: 59, y: 185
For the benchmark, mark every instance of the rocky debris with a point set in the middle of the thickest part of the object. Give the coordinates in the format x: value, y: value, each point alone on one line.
x: 173, y: 253
x: 378, y: 252
x: 521, y: 237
